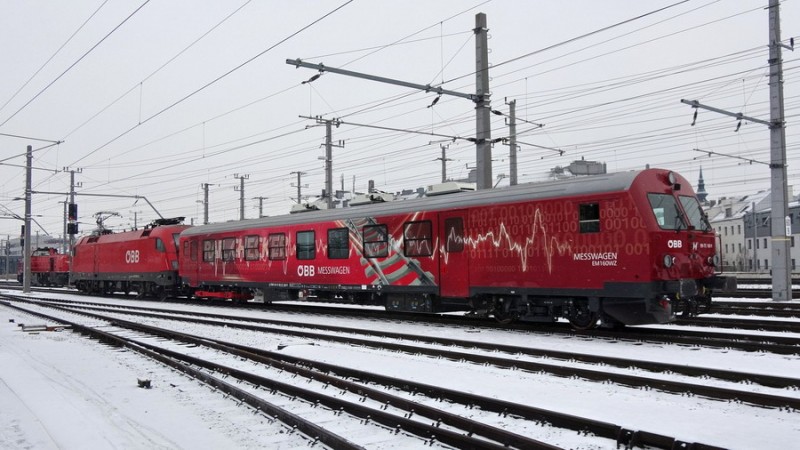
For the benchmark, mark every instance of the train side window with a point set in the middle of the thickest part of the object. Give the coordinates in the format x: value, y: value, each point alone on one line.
x: 338, y: 243
x: 589, y: 217
x: 193, y: 250
x: 209, y: 254
x: 306, y: 247
x: 454, y: 234
x: 186, y: 247
x: 376, y: 241
x: 228, y: 249
x: 276, y: 244
x: 418, y: 238
x: 252, y: 248
x: 160, y: 246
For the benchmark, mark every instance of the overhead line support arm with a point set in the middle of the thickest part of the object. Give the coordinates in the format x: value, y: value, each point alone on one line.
x: 422, y: 87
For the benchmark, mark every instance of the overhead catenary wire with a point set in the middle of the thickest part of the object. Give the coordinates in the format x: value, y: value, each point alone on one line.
x: 43, y: 90
x: 215, y: 80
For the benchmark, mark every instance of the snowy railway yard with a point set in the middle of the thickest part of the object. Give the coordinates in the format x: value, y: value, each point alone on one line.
x: 265, y: 378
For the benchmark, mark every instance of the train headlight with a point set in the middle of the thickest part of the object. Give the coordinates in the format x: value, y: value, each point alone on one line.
x: 669, y: 260
x: 713, y: 260
x: 671, y: 178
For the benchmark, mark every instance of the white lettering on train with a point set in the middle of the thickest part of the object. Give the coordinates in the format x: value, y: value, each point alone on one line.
x: 132, y: 256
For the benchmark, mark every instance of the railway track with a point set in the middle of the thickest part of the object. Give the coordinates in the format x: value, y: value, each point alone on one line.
x: 603, y: 375
x: 672, y: 335
x: 219, y: 365
x: 609, y: 431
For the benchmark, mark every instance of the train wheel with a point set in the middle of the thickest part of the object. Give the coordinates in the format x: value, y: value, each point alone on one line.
x: 503, y: 312
x: 160, y: 293
x: 583, y: 319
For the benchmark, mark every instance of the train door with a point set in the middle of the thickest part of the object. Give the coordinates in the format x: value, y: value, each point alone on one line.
x: 454, y: 255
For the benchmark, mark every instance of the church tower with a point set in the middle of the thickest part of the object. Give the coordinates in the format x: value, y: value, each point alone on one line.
x: 701, y: 188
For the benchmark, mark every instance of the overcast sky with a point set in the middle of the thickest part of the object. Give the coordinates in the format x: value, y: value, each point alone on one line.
x: 155, y: 98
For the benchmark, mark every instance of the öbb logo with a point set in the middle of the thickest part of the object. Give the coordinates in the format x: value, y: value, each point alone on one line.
x: 305, y: 271
x: 675, y: 243
x: 132, y: 256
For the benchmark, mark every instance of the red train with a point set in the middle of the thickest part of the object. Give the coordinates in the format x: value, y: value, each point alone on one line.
x: 626, y: 248
x: 141, y: 261
x: 48, y: 268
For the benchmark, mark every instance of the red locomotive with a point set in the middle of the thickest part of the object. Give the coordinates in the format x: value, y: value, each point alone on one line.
x: 142, y: 261
x: 627, y: 248
x: 48, y: 268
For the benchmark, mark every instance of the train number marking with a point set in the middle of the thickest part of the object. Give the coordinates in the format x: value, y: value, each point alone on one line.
x: 132, y: 256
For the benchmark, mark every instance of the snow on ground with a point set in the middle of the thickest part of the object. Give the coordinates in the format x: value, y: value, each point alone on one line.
x: 58, y: 390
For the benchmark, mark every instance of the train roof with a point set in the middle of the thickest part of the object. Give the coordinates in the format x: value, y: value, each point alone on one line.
x: 123, y: 236
x: 595, y: 184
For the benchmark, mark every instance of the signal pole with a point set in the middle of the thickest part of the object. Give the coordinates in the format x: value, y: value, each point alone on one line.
x: 72, y: 218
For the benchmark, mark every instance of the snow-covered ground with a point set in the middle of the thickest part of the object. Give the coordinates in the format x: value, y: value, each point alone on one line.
x: 60, y: 390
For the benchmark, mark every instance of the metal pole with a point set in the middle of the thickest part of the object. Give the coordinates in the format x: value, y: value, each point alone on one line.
x: 241, y: 197
x: 328, y: 163
x: 483, y: 134
x: 64, y: 240
x: 205, y: 203
x: 780, y: 223
x: 755, y: 239
x: 26, y: 249
x: 7, y: 250
x: 512, y: 141
x: 444, y: 161
x: 72, y: 202
x: 299, y: 186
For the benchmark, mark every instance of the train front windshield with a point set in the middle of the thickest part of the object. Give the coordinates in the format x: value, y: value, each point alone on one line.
x: 670, y: 217
x: 697, y: 218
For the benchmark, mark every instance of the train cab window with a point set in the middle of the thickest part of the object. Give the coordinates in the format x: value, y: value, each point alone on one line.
x: 160, y: 246
x: 454, y: 233
x: 209, y: 254
x: 252, y: 248
x: 697, y: 218
x: 228, y: 249
x: 418, y: 238
x: 589, y: 217
x: 376, y: 241
x: 306, y: 247
x: 338, y: 243
x: 276, y: 244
